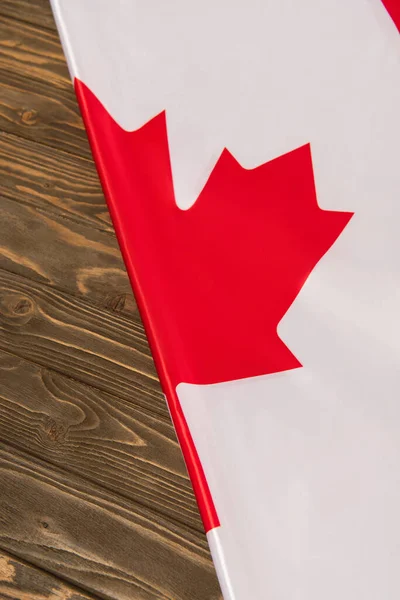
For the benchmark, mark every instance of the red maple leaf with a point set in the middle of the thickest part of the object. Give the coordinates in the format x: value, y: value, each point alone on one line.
x: 214, y: 281
x: 211, y: 282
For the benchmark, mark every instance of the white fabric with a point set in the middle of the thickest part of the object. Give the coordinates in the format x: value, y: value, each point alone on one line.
x: 303, y: 466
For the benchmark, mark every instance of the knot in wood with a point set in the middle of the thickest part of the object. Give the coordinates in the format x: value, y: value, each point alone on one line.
x: 29, y: 116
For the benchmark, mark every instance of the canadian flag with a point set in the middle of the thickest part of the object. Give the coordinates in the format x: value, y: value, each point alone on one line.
x: 250, y: 156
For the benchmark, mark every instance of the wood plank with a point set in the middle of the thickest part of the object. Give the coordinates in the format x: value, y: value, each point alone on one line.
x: 33, y: 52
x: 102, y: 438
x: 79, y: 340
x: 37, y: 12
x: 52, y: 180
x: 97, y: 540
x: 68, y: 256
x: 84, y: 514
x: 42, y: 113
x: 21, y: 581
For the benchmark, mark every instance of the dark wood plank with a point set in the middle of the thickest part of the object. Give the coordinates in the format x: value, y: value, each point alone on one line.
x: 102, y: 438
x: 97, y: 540
x: 37, y: 12
x: 41, y: 112
x: 52, y: 180
x: 111, y: 510
x: 21, y: 581
x: 77, y: 339
x: 32, y: 52
x: 65, y: 255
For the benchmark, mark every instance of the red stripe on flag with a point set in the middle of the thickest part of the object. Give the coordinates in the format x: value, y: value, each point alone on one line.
x: 393, y: 8
x: 100, y: 125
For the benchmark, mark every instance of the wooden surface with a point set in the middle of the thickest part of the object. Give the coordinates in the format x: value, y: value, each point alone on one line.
x: 95, y: 501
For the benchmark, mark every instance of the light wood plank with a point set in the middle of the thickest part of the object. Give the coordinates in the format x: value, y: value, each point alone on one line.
x: 33, y: 52
x: 72, y: 337
x: 37, y: 12
x: 52, y: 180
x: 68, y: 256
x: 41, y: 112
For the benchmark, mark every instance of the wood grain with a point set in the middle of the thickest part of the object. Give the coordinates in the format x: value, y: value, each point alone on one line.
x: 93, y: 488
x: 40, y: 112
x: 21, y: 581
x: 78, y: 340
x: 37, y: 12
x: 24, y: 46
x: 98, y: 436
x: 96, y: 539
x: 66, y: 255
x: 53, y: 180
